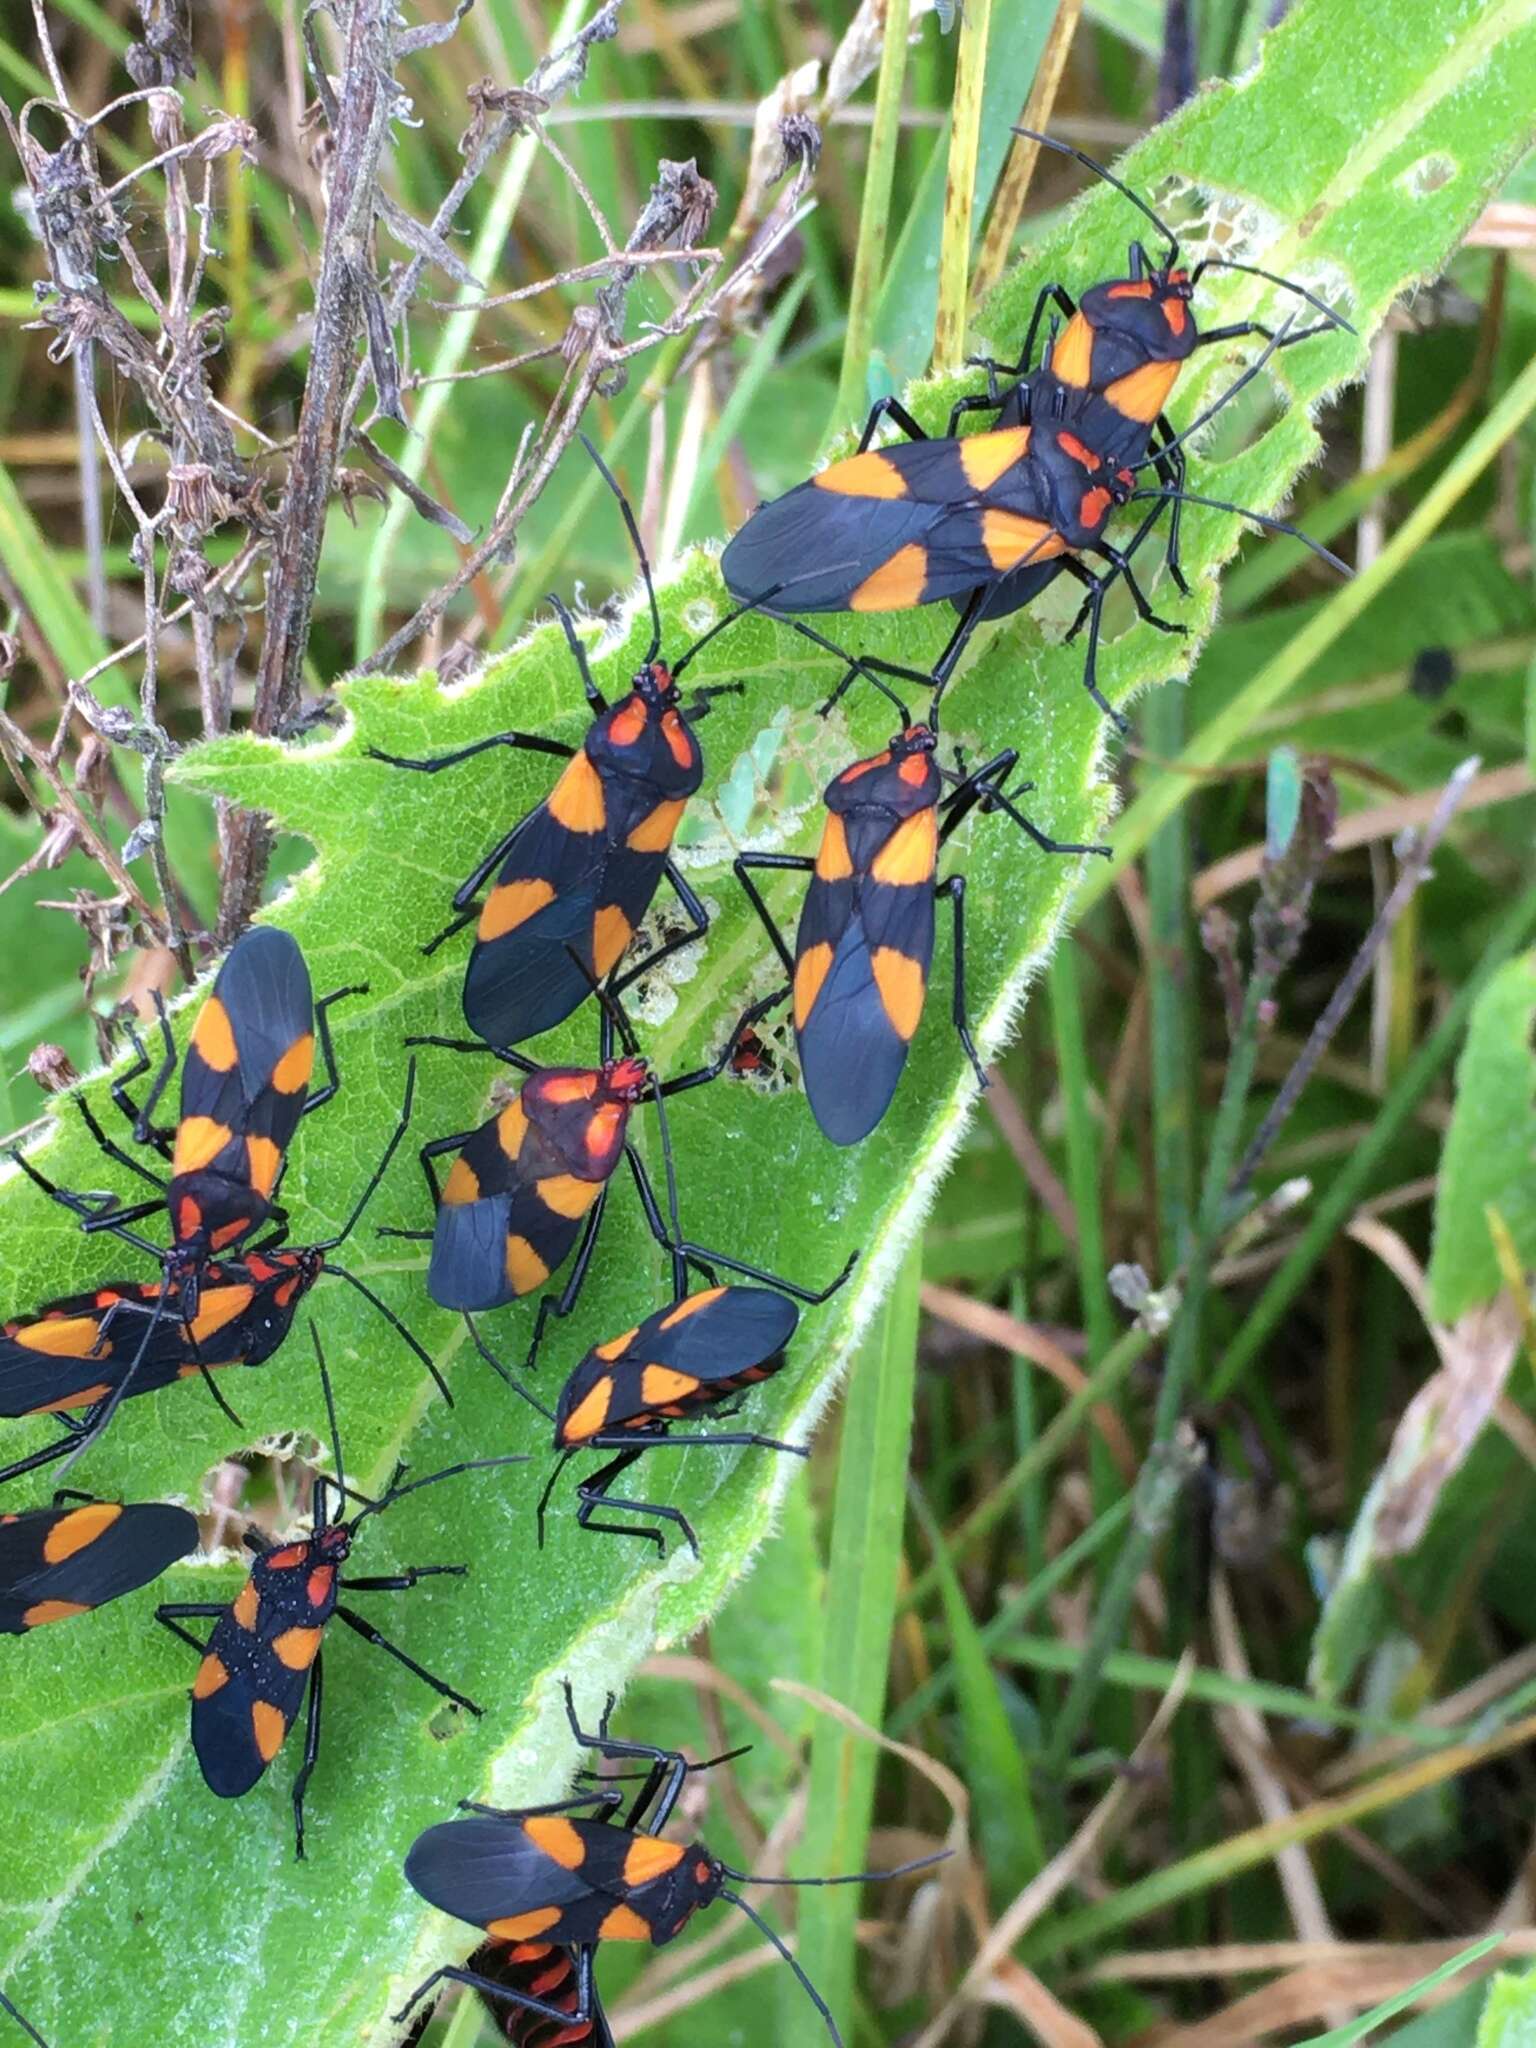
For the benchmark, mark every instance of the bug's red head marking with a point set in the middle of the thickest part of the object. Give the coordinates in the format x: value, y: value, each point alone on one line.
x: 626, y: 1080
x: 654, y: 685
x: 917, y: 739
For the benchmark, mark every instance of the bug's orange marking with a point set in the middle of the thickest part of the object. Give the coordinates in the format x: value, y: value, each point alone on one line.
x: 43, y: 1611
x: 910, y: 852
x: 510, y: 905
x: 810, y: 972
x: 1175, y: 313
x: 605, y: 1128
x: 523, y: 1925
x: 568, y: 1195
x: 1139, y: 290
x: 525, y: 1269
x: 1142, y: 394
x: 559, y: 1841
x: 832, y: 860
x: 227, y: 1233
x: 611, y: 933
x: 462, y: 1184
x: 512, y: 1127
x: 1010, y: 539
x: 701, y: 1873
x: 690, y: 1307
x: 649, y: 1858
x: 189, y: 1217
x: 246, y: 1606
x: 1072, y: 357
x: 1069, y: 444
x: 576, y: 801
x: 629, y: 721
x: 570, y: 1087
x: 870, y: 475
x: 863, y: 767
x: 986, y: 457
x: 899, y: 979
x: 624, y: 1924
x: 285, y: 1559
x: 218, y: 1306
x: 291, y: 1074
x: 199, y: 1141
x: 74, y: 1531
x: 211, y: 1674
x: 660, y: 1384
x: 589, y: 1415
x: 298, y: 1647
x: 617, y: 1346
x: 914, y: 770
x: 896, y: 584
x: 1093, y: 506
x: 213, y: 1036
x: 83, y: 1399
x: 655, y: 833
x: 680, y: 744
x: 286, y: 1292
x: 264, y: 1158
x: 61, y: 1336
x: 318, y: 1587
x: 268, y: 1727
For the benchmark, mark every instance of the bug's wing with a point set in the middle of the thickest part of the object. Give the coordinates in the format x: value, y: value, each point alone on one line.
x: 521, y: 978
x: 818, y: 550
x: 486, y: 1870
x: 252, y: 1052
x: 855, y: 1015
x: 85, y: 1556
x: 62, y: 1361
x: 718, y: 1333
x: 242, y: 1709
x: 468, y: 1268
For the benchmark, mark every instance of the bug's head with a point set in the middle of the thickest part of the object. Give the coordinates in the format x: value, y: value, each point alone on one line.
x: 647, y: 736
x: 652, y: 683
x: 916, y: 740
x: 626, y: 1080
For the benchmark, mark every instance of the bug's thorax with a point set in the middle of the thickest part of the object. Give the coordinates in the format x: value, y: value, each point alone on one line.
x: 646, y: 736
x: 579, y: 1115
x: 902, y: 779
x: 298, y: 1580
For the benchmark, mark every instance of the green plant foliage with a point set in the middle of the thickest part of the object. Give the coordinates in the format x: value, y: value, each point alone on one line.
x: 1489, y: 1160
x: 1509, y: 2017
x: 1354, y: 154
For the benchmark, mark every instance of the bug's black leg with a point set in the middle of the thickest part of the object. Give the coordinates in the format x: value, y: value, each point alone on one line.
x: 311, y: 1753
x: 1169, y: 467
x: 989, y: 401
x: 508, y: 1058
x: 145, y: 1131
x: 116, y: 1219
x: 1049, y: 295
x: 772, y: 863
x: 669, y: 1767
x: 889, y: 409
x: 565, y: 1301
x: 527, y: 742
x: 113, y: 1150
x: 455, y: 1973
x: 171, y: 1613
x: 1093, y: 612
x: 754, y: 1012
x: 86, y: 1206
x: 1122, y: 563
x: 48, y: 1455
x: 954, y: 889
x: 370, y: 1634
x: 581, y: 1803
x: 698, y: 918
x: 22, y: 2021
x: 327, y: 1050
x: 704, y: 1256
x: 593, y: 1495
x: 984, y: 786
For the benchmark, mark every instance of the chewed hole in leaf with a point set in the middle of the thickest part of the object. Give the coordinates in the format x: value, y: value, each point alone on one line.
x: 1428, y: 174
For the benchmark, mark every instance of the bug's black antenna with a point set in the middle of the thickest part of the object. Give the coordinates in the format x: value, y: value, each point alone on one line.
x: 850, y: 1877
x: 496, y: 1365
x: 413, y: 1342
x: 1287, y: 284
x: 1092, y: 164
x: 735, y: 1899
x: 639, y: 545
x: 402, y: 1124
x: 740, y: 611
x: 330, y: 1407
x: 387, y: 1500
x: 22, y: 2021
x: 1217, y: 404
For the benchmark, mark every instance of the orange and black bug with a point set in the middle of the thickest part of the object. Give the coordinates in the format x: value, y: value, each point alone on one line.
x: 62, y: 1561
x: 265, y: 1646
x: 859, y: 969
x: 577, y: 875
x: 244, y: 1086
x: 124, y: 1338
x: 560, y: 1874
x: 529, y: 1186
x: 929, y: 519
x: 548, y: 1975
x: 696, y: 1357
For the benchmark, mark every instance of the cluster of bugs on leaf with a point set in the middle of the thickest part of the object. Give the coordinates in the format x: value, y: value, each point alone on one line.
x: 984, y: 521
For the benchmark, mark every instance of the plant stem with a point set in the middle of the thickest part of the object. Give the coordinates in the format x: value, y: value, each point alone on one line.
x: 960, y: 187
x: 869, y: 258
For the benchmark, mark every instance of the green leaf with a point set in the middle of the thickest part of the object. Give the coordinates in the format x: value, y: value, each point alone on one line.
x: 1509, y: 2017
x: 192, y: 1911
x: 1489, y: 1161
x: 1361, y: 2029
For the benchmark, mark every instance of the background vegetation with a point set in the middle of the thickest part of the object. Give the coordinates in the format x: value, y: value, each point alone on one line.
x: 1174, y: 1522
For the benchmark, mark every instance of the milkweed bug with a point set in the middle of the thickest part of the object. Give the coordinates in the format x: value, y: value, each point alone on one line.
x: 927, y: 519
x: 578, y: 873
x: 548, y: 1975
x: 530, y: 1184
x: 125, y: 1338
x: 265, y: 1645
x: 22, y: 2021
x: 697, y: 1356
x: 1113, y: 367
x: 859, y: 969
x: 62, y: 1561
x: 561, y: 1874
x: 244, y: 1086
